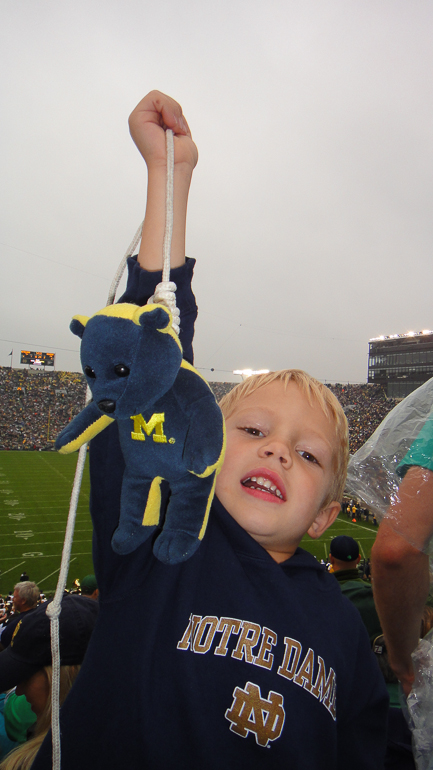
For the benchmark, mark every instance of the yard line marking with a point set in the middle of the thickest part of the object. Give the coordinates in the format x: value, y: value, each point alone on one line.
x: 25, y: 534
x: 15, y: 567
x: 57, y: 522
x: 33, y: 553
x: 360, y: 526
x: 42, y: 533
x: 58, y: 531
x: 53, y: 468
x: 83, y: 506
x: 48, y: 542
x: 45, y: 556
x: 53, y: 573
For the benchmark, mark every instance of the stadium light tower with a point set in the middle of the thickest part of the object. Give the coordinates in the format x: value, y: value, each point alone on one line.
x: 245, y: 373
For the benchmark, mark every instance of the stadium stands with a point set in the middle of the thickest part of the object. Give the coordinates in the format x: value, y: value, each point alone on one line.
x: 36, y: 405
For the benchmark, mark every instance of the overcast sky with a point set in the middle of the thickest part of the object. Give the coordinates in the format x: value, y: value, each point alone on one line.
x: 310, y: 213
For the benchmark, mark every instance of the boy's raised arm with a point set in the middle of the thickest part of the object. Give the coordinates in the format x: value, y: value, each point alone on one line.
x: 147, y: 124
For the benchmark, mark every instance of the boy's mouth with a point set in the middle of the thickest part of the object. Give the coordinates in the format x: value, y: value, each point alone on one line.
x: 265, y: 483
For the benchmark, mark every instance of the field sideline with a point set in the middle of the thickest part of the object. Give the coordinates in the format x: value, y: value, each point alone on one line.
x: 35, y: 489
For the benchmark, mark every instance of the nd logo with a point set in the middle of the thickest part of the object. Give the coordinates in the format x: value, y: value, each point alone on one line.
x: 250, y: 713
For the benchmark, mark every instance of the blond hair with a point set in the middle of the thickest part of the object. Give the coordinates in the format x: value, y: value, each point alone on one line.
x: 316, y: 393
x: 23, y: 756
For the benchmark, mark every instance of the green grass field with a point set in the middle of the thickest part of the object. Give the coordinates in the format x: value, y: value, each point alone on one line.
x: 35, y: 489
x: 364, y: 534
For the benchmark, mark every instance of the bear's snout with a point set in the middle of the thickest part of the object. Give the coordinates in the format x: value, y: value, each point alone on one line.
x: 107, y: 405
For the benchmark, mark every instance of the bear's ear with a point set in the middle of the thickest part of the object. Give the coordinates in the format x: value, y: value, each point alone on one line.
x: 153, y: 317
x: 78, y: 324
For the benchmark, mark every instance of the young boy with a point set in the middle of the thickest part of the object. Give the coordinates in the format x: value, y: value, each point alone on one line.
x: 246, y: 655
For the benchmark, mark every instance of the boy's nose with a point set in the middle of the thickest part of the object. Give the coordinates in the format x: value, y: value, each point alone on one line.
x: 279, y: 450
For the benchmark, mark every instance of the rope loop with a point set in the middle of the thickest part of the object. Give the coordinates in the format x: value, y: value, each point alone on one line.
x: 165, y: 295
x: 53, y: 609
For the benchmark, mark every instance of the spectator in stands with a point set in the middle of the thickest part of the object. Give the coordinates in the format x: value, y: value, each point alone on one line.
x: 25, y: 599
x: 367, y: 570
x: 344, y: 558
x: 89, y: 587
x: 27, y: 665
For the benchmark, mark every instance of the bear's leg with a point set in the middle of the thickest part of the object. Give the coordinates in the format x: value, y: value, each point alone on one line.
x: 186, y: 518
x: 140, y: 506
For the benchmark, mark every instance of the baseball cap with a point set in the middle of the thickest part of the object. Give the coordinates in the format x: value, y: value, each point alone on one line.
x: 30, y: 646
x: 88, y: 584
x: 344, y: 548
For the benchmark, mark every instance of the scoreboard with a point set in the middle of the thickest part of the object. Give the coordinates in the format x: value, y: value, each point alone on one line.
x: 37, y: 359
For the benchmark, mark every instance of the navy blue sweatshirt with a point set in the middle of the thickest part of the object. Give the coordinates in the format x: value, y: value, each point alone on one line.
x: 228, y: 660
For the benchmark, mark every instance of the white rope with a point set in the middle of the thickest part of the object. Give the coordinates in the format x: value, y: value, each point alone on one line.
x: 118, y: 277
x: 54, y: 608
x: 164, y: 293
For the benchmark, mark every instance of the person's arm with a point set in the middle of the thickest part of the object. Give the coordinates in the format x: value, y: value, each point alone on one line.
x: 401, y: 570
x: 147, y: 124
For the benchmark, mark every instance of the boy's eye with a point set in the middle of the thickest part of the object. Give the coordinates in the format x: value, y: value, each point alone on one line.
x: 308, y: 456
x: 253, y: 432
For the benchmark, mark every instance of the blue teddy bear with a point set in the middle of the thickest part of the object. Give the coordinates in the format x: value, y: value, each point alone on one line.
x: 170, y: 426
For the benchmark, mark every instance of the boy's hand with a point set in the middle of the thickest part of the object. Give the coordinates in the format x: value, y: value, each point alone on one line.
x: 147, y: 124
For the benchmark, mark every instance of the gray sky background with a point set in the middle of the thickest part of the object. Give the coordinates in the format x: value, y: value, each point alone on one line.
x: 311, y: 208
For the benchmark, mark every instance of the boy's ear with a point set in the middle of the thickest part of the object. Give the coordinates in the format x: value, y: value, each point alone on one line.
x: 324, y: 519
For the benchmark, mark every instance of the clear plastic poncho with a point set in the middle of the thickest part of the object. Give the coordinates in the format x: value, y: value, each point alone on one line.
x: 418, y: 707
x: 404, y: 439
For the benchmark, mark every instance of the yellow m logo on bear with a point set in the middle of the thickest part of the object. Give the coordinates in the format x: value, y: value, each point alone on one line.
x: 156, y: 423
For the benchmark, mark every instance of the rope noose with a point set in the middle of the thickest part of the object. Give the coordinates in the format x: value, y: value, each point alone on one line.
x: 164, y: 294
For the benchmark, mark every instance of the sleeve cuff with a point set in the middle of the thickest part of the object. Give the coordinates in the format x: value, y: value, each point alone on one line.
x: 141, y: 284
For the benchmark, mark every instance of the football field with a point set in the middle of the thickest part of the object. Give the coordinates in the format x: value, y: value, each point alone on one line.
x: 35, y: 489
x: 363, y: 533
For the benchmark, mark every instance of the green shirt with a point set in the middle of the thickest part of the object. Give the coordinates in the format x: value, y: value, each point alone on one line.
x: 18, y: 716
x: 421, y: 450
x: 360, y: 594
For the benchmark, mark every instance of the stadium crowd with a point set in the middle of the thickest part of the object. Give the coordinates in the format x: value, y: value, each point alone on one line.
x: 365, y: 407
x: 36, y: 405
